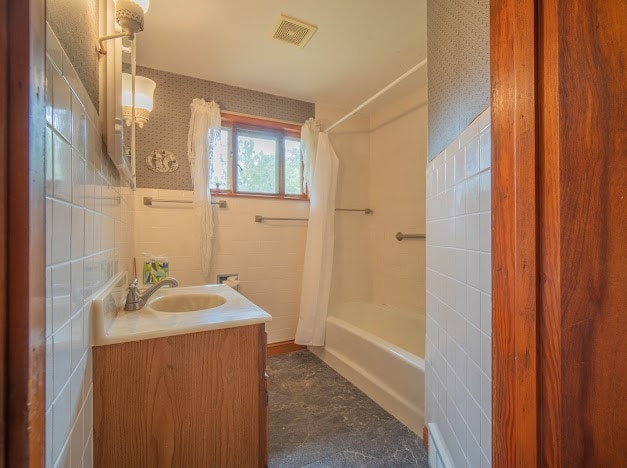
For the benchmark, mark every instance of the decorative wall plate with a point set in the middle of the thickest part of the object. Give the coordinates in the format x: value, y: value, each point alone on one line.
x: 162, y: 161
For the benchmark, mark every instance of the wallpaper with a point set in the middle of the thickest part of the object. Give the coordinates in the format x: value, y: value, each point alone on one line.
x: 458, y: 40
x: 75, y: 23
x: 169, y: 121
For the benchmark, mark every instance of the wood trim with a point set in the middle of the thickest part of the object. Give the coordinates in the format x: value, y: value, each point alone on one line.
x: 25, y: 236
x: 558, y: 233
x: 4, y: 118
x: 281, y: 130
x: 549, y: 324
x: 425, y: 438
x: 583, y: 180
x: 514, y: 226
x: 215, y: 193
x: 288, y: 128
x: 284, y: 347
x: 264, y: 410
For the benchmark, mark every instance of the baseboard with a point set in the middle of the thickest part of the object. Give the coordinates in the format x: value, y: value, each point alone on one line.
x: 284, y: 347
x: 425, y: 438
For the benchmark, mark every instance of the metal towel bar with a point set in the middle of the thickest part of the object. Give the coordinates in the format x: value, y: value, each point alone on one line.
x: 148, y: 201
x: 400, y: 236
x: 259, y: 218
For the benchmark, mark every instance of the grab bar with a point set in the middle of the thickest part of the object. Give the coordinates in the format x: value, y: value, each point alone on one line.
x: 259, y: 218
x: 148, y: 201
x: 400, y: 236
x: 365, y: 210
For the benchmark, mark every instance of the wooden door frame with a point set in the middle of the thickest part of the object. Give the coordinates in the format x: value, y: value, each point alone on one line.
x: 514, y: 229
x: 557, y: 86
x: 4, y: 53
x: 22, y: 209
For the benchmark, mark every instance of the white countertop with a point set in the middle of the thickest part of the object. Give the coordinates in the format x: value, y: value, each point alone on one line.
x: 111, y: 324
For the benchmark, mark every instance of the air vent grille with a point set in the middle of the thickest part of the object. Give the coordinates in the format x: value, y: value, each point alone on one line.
x: 293, y: 31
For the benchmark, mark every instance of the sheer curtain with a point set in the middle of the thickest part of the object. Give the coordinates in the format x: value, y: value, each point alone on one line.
x: 308, y: 143
x: 205, y: 127
x: 316, y: 287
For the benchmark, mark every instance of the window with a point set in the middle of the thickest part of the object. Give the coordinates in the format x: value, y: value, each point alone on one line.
x: 258, y: 158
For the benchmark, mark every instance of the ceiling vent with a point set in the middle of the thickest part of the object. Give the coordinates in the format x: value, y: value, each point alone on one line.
x: 293, y: 31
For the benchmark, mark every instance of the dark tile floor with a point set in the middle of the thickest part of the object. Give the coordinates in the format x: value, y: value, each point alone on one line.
x: 319, y: 419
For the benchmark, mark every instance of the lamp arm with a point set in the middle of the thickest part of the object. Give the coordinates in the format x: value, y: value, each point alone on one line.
x: 100, y: 48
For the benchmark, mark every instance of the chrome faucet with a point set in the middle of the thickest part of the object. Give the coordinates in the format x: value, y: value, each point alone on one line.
x: 135, y: 300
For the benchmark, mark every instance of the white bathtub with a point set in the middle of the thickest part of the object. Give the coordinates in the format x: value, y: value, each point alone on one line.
x: 381, y: 351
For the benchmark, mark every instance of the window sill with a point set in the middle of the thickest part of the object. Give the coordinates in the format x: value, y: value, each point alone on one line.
x: 259, y: 196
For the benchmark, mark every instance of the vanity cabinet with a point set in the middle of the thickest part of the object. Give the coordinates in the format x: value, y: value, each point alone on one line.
x: 192, y: 400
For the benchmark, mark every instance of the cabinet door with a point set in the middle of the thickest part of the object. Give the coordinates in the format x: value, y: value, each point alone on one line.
x: 188, y: 400
x: 264, y: 419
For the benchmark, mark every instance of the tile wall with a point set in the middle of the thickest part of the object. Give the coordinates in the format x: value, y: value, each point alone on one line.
x: 268, y: 256
x: 88, y: 240
x: 351, y: 278
x: 398, y: 155
x: 459, y: 305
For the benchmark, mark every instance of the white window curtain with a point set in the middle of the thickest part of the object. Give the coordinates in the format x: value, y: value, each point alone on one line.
x: 205, y: 127
x: 316, y: 287
x: 308, y: 143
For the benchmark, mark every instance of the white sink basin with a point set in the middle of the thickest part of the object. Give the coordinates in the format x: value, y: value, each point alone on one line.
x: 185, y: 302
x: 170, y: 312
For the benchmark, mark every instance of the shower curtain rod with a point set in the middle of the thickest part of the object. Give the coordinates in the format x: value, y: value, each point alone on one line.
x: 383, y: 91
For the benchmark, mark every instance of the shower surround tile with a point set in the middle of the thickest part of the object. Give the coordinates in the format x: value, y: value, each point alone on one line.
x: 459, y: 344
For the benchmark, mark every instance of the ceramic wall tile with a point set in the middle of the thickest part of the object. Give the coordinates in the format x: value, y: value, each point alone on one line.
x: 78, y: 261
x: 467, y: 356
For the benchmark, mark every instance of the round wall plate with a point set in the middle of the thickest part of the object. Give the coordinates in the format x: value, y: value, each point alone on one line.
x: 162, y: 161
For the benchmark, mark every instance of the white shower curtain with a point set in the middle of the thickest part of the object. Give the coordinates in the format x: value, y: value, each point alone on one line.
x: 316, y: 285
x: 205, y: 127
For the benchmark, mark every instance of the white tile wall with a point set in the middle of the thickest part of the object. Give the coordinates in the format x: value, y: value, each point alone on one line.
x: 83, y: 201
x: 398, y: 155
x: 268, y: 257
x: 352, y: 270
x: 459, y: 306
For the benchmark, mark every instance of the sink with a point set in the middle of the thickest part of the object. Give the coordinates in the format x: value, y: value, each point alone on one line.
x: 185, y: 302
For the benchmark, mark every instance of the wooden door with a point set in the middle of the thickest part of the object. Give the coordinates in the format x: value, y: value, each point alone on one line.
x: 559, y: 249
x: 22, y: 293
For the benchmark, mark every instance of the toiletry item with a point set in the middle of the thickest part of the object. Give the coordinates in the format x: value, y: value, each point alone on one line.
x: 155, y: 269
x: 233, y: 282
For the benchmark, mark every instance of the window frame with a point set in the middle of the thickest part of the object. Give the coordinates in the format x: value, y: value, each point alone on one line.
x: 282, y: 130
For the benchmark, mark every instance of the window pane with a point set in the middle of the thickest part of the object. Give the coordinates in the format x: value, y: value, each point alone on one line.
x: 293, y: 167
x: 257, y: 163
x: 219, y: 178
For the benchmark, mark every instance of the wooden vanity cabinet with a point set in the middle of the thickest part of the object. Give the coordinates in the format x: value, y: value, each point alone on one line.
x: 182, y: 401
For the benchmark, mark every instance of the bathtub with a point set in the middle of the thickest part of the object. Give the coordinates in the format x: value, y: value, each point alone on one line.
x: 381, y: 351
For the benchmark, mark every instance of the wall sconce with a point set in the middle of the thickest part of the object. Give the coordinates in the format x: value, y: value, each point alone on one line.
x: 144, y: 90
x: 129, y: 14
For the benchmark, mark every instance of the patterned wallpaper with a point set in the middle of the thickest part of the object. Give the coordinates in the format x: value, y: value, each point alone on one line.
x: 75, y: 22
x: 458, y: 40
x: 169, y: 121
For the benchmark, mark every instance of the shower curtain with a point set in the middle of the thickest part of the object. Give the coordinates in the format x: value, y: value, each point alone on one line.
x: 316, y: 285
x: 205, y: 127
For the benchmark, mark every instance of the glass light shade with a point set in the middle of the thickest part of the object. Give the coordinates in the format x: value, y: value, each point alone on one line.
x: 129, y: 14
x: 144, y: 91
x: 144, y: 4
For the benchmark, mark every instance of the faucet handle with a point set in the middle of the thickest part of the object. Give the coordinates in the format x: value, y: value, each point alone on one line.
x: 133, y: 299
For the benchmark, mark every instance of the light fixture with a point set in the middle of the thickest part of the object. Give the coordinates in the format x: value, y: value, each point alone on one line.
x: 144, y: 90
x: 129, y: 15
